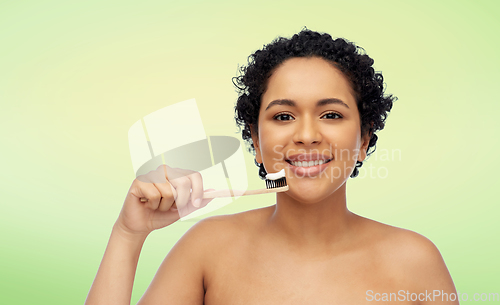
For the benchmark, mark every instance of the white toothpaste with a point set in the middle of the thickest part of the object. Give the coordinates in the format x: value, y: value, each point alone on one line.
x: 276, y: 176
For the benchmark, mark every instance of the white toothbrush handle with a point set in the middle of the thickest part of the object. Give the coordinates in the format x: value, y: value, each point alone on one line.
x: 234, y: 193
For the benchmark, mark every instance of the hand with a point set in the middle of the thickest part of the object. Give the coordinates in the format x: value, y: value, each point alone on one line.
x: 172, y: 193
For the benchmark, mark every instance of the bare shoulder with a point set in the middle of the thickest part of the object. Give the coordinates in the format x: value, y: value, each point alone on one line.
x: 401, y: 242
x: 398, y: 245
x: 211, y: 234
x: 410, y: 255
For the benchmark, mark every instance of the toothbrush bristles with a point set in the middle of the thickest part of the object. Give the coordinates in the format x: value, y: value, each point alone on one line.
x: 270, y: 184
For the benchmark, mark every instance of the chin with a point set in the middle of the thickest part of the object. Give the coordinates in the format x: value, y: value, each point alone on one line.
x: 312, y: 189
x: 310, y: 192
x: 304, y: 199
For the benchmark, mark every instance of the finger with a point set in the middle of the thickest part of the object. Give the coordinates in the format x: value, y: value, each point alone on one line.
x: 175, y: 173
x: 196, y: 184
x: 189, y: 208
x: 204, y: 202
x: 196, y: 188
x: 170, y: 174
x: 182, y: 186
x: 160, y: 179
x: 159, y: 175
x: 168, y: 198
x: 167, y: 193
x: 148, y: 190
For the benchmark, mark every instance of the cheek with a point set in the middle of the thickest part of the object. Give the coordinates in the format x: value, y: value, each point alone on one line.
x: 269, y: 137
x: 272, y: 145
x: 272, y: 150
x: 345, y: 146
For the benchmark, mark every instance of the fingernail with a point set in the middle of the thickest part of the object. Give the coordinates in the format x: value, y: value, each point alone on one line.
x: 197, y: 202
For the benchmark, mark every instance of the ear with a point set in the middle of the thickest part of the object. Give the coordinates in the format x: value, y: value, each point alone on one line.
x: 256, y: 145
x: 365, y: 141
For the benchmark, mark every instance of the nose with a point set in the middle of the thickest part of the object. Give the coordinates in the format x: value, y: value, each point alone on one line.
x: 307, y: 132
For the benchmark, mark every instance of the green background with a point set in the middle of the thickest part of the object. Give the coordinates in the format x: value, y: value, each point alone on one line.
x: 75, y: 76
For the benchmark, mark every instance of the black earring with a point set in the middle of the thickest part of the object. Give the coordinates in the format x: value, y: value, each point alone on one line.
x: 355, y: 172
x: 262, y: 170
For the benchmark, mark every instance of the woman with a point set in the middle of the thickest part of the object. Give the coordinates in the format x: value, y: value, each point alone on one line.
x: 310, y: 105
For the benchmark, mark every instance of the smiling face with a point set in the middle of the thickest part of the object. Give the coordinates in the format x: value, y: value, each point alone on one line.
x: 309, y: 116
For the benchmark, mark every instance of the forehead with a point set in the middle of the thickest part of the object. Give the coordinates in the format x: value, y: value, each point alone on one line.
x: 308, y: 79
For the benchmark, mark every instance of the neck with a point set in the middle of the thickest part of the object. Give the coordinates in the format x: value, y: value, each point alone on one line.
x: 312, y: 226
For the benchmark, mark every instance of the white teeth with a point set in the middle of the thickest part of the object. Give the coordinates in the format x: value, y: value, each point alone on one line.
x: 308, y: 163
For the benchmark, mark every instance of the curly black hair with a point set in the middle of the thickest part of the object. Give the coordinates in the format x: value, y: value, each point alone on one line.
x: 350, y: 59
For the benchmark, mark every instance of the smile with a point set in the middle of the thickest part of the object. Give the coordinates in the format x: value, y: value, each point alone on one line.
x: 308, y: 163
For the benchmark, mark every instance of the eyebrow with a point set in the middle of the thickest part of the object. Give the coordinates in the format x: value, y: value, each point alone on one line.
x: 320, y: 103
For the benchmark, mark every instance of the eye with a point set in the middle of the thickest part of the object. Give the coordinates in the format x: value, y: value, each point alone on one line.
x: 283, y: 117
x: 332, y: 115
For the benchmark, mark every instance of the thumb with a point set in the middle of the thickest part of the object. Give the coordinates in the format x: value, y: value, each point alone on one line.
x: 204, y: 202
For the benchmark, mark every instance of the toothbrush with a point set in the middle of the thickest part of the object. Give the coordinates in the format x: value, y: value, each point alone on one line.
x: 275, y: 182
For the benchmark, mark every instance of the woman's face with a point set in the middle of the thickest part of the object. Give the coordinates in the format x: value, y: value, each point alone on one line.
x: 309, y: 125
